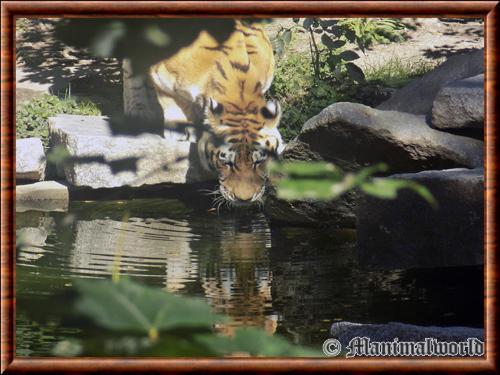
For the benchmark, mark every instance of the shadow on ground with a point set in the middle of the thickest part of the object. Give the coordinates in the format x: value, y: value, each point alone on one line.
x: 45, y: 60
x: 446, y: 51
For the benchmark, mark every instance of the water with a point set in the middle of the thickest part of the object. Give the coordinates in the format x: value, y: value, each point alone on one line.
x: 289, y: 281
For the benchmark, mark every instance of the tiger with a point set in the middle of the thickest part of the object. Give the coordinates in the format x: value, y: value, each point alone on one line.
x: 221, y: 89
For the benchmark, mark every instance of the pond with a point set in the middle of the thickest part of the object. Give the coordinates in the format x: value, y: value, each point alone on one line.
x: 290, y: 281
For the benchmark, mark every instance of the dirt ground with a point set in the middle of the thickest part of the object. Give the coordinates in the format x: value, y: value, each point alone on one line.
x: 431, y: 39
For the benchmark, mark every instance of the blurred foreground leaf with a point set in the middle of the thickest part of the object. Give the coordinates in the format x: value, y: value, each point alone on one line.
x: 144, y: 41
x: 256, y: 342
x: 325, y: 181
x: 387, y: 188
x: 129, y: 306
x: 176, y: 325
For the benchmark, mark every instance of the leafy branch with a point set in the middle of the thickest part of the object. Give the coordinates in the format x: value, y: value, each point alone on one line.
x: 325, y: 181
x: 175, y: 325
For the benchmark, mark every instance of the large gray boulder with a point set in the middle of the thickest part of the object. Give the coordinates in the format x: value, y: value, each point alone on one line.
x: 407, y: 232
x: 460, y: 104
x: 353, y: 135
x: 346, y: 331
x: 100, y: 159
x: 30, y: 159
x: 417, y: 97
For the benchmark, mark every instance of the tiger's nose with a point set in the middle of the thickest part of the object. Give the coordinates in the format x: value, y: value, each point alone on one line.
x: 243, y: 202
x: 243, y: 195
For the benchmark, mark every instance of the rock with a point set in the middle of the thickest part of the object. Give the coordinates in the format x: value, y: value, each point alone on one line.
x: 30, y: 159
x: 407, y: 233
x: 460, y: 104
x: 104, y: 160
x: 31, y: 240
x: 346, y: 331
x: 417, y: 97
x: 42, y: 196
x: 353, y: 136
x: 338, y: 213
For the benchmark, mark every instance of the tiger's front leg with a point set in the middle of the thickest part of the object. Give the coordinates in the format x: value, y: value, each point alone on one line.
x: 182, y: 116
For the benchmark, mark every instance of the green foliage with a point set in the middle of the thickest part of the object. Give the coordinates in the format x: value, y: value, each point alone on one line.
x: 131, y: 307
x: 307, y: 84
x: 397, y: 72
x: 256, y: 342
x: 301, y: 95
x: 172, y: 325
x: 368, y: 31
x: 325, y: 181
x: 32, y: 117
x: 330, y: 59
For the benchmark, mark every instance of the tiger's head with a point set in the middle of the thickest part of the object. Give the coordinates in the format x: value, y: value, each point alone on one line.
x: 239, y: 142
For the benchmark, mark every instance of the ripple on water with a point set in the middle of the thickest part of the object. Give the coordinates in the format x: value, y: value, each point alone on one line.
x: 294, y: 281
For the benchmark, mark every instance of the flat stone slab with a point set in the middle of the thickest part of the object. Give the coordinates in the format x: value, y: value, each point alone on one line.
x: 100, y: 159
x: 346, y: 331
x: 460, y: 104
x: 418, y: 96
x: 42, y: 196
x: 353, y: 136
x: 99, y: 240
x: 407, y: 232
x: 30, y: 159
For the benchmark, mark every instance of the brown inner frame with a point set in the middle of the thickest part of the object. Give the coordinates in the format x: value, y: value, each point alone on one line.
x: 12, y: 9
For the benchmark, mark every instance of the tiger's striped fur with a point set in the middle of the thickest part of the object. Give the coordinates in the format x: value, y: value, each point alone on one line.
x: 222, y: 88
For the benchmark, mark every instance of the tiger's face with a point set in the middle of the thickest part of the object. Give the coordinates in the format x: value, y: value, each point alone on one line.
x: 238, y: 145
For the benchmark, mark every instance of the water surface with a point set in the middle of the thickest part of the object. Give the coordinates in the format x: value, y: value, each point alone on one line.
x: 289, y: 281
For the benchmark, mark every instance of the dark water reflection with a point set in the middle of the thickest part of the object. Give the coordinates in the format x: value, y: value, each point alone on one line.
x: 292, y: 281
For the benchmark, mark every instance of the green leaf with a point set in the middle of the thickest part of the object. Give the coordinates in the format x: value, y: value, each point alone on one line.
x: 366, y: 172
x: 327, y: 23
x: 295, y: 189
x: 307, y: 23
x: 67, y: 348
x: 104, y: 42
x: 350, y: 35
x: 336, y: 30
x: 330, y: 43
x: 333, y: 61
x: 130, y: 306
x: 256, y: 342
x: 306, y: 169
x: 355, y: 72
x: 157, y: 36
x: 387, y: 188
x: 348, y: 55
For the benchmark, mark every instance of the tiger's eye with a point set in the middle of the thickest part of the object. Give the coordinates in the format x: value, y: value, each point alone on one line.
x: 216, y: 107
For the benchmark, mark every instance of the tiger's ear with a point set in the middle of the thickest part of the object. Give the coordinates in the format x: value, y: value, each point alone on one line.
x: 272, y: 112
